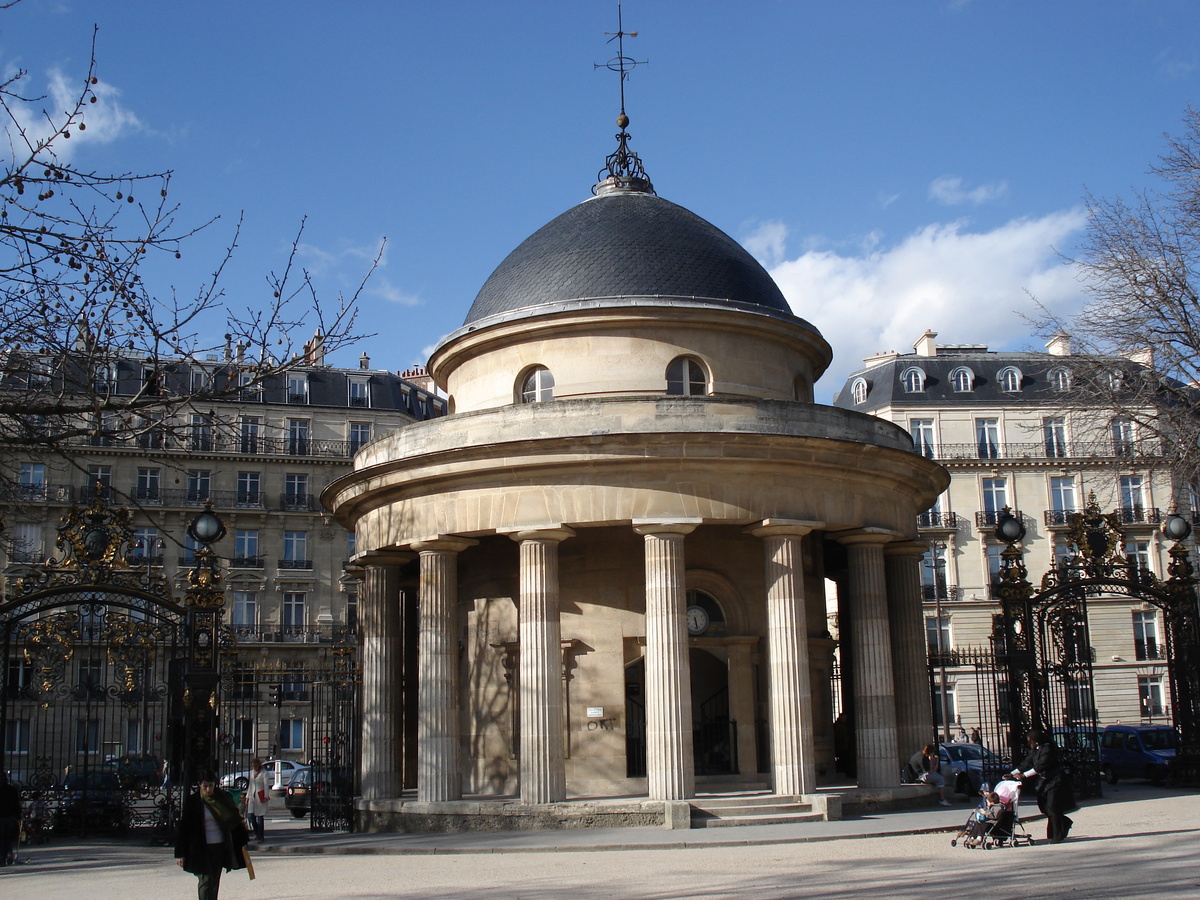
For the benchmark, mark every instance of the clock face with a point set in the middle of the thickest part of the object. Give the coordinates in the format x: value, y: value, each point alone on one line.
x: 697, y: 620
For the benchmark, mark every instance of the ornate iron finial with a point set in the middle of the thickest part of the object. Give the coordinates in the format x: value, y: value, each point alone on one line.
x: 623, y: 166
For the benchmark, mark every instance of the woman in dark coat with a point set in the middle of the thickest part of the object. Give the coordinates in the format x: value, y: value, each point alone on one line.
x: 211, y: 836
x: 1055, y: 794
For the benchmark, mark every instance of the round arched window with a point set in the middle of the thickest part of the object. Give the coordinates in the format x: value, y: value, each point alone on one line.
x: 686, y: 378
x: 536, y: 386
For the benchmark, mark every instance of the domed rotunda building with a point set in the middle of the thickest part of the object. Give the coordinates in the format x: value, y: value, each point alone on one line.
x: 603, y: 573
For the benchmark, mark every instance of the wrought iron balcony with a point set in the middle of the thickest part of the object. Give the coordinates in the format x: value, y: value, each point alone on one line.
x: 295, y: 564
x: 295, y: 501
x: 1059, y: 518
x: 1139, y: 515
x: 236, y: 443
x: 938, y: 521
x: 1044, y: 450
x: 246, y: 562
x: 988, y: 519
x: 39, y: 493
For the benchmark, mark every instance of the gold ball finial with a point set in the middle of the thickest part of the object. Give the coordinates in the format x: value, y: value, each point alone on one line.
x: 622, y: 121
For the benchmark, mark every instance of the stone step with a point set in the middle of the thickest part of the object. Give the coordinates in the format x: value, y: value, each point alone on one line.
x: 758, y: 817
x: 740, y: 800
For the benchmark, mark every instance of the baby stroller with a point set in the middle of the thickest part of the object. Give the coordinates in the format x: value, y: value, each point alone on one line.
x: 995, y: 824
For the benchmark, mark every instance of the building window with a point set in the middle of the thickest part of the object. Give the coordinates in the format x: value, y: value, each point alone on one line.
x: 686, y: 378
x: 942, y: 709
x: 28, y: 544
x: 858, y: 390
x: 962, y: 380
x: 87, y: 736
x: 248, y: 488
x: 291, y: 735
x: 1054, y: 434
x: 933, y: 574
x: 298, y: 437
x: 359, y: 433
x: 295, y: 491
x: 937, y: 634
x: 32, y: 479
x: 1062, y: 498
x: 995, y: 497
x: 199, y: 481
x: 1138, y: 553
x: 245, y: 548
x: 987, y: 438
x: 1081, y: 705
x: 99, y: 483
x: 245, y: 609
x: 923, y: 439
x: 994, y: 565
x: 360, y: 392
x: 1122, y: 436
x: 1133, y: 505
x: 147, y: 547
x: 537, y: 385
x: 913, y: 380
x: 1145, y: 635
x: 297, y: 387
x: 190, y: 546
x: 202, y: 432
x: 295, y: 550
x: 293, y: 609
x: 147, y: 487
x: 16, y: 736
x: 1150, y: 695
x: 243, y: 735
x: 1060, y: 380
x: 352, y: 610
x: 248, y: 433
x: 1010, y: 380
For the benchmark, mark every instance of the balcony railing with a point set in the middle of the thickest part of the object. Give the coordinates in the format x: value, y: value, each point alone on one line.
x: 39, y: 493
x: 1059, y: 517
x: 1139, y: 515
x: 988, y: 519
x: 1043, y: 450
x: 295, y: 564
x: 294, y: 501
x: 1149, y: 649
x: 294, y: 634
x: 246, y: 562
x: 235, y: 443
x: 946, y: 521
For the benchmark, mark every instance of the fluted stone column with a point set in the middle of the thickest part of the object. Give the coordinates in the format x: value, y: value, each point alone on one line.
x: 438, y: 775
x: 543, y: 775
x: 670, y: 767
x: 870, y: 634
x: 910, y: 664
x: 380, y: 649
x: 793, y: 758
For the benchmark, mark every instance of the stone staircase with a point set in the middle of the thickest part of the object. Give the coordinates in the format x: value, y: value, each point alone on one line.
x: 751, y: 809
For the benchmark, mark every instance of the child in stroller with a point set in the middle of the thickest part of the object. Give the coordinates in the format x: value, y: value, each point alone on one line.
x: 995, y: 822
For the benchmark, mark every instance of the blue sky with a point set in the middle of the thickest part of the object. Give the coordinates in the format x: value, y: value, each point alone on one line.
x: 897, y: 164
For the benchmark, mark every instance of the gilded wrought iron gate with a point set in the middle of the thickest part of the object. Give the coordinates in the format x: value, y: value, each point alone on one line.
x: 93, y: 690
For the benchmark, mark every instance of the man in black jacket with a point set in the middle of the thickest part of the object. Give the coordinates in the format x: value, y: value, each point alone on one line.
x: 1055, y: 795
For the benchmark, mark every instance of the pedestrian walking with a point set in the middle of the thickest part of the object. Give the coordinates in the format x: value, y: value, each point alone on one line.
x: 10, y: 820
x: 1055, y: 793
x: 212, y: 836
x: 257, y: 799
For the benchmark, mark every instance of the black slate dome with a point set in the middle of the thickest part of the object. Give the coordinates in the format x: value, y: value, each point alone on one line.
x: 626, y: 243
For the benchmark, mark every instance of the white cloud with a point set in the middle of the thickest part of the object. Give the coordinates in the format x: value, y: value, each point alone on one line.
x: 381, y: 287
x: 968, y: 287
x: 106, y: 119
x: 949, y: 190
x: 767, y: 243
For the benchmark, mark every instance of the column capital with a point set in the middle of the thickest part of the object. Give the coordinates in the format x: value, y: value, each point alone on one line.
x: 866, y: 536
x: 386, y: 558
x: 906, y: 548
x: 555, y: 533
x: 448, y: 542
x: 655, y: 526
x: 783, y: 528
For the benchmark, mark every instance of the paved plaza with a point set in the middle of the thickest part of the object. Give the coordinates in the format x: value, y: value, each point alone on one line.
x: 1137, y: 842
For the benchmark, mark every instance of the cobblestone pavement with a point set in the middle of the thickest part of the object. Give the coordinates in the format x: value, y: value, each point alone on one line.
x: 1137, y: 842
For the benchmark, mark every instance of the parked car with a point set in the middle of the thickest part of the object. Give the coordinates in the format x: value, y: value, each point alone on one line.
x: 979, y: 766
x: 955, y: 771
x: 241, y: 780
x: 1138, y: 751
x: 302, y: 789
x: 92, y: 801
x: 137, y: 773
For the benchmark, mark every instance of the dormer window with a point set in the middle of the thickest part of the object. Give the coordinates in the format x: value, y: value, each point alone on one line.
x: 536, y: 386
x: 686, y: 378
x: 297, y: 387
x: 1060, y: 380
x: 914, y: 380
x: 858, y: 390
x: 1010, y: 380
x: 360, y: 392
x: 962, y: 380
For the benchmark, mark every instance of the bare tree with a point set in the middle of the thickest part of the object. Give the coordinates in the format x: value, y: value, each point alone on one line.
x: 1139, y: 334
x: 73, y: 302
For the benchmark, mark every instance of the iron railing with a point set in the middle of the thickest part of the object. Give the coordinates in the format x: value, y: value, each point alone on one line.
x: 1044, y: 450
x: 234, y: 443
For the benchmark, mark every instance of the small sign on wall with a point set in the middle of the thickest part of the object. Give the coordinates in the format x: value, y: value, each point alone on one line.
x: 595, y: 712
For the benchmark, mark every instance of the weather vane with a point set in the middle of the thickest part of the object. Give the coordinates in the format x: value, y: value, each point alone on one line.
x: 623, y: 163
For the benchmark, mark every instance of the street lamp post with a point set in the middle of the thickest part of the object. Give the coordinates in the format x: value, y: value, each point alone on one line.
x: 937, y: 562
x: 204, y: 600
